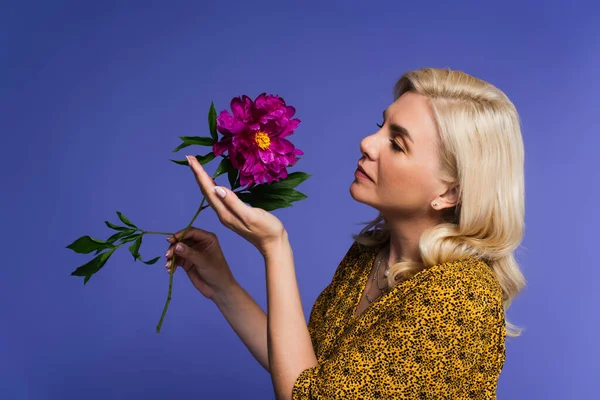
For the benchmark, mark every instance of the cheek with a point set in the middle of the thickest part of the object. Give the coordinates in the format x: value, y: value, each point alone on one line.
x: 413, y: 184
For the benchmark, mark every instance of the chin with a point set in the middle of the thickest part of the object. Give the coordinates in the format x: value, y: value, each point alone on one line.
x: 362, y: 195
x: 357, y: 192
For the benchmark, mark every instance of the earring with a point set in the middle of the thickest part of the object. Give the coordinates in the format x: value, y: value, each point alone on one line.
x: 435, y: 204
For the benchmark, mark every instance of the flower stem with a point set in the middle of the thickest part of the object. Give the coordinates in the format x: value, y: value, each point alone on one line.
x: 172, y: 269
x: 156, y: 233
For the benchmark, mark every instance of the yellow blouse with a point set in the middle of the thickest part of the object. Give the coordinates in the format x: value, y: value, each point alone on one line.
x: 438, y: 335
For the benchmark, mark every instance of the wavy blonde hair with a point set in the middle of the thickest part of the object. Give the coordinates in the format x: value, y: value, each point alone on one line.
x: 481, y: 153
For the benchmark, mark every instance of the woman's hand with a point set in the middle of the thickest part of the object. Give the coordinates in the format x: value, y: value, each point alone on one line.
x: 202, y: 259
x: 256, y: 225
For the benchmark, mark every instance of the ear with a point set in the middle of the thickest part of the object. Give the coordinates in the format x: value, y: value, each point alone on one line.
x: 446, y: 200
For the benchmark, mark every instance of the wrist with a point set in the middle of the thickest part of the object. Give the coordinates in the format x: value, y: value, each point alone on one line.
x: 275, y: 246
x: 225, y: 293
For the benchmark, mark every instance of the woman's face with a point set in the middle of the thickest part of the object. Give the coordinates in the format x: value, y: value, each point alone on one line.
x: 401, y: 160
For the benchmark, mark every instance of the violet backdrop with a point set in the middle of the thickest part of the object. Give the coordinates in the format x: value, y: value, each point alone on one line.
x: 95, y: 94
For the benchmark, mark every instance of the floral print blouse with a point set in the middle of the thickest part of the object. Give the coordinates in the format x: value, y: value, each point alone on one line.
x: 437, y: 335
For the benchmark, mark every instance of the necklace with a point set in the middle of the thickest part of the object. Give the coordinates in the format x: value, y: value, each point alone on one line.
x: 376, y: 274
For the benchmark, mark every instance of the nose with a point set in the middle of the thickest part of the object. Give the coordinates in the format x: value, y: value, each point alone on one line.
x: 367, y: 147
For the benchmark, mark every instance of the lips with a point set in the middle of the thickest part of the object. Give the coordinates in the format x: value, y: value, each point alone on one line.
x: 363, y: 171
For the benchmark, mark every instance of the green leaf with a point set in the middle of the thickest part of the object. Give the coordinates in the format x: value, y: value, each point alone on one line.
x: 212, y: 121
x: 134, y: 249
x: 205, y: 159
x: 223, y: 167
x: 194, y: 140
x: 115, y: 227
x: 201, y: 159
x: 266, y: 204
x: 93, y: 266
x: 289, y: 195
x: 125, y: 220
x: 233, y: 175
x: 87, y: 244
x: 120, y: 234
x: 125, y: 237
x: 292, y: 180
x: 130, y: 238
x: 150, y: 262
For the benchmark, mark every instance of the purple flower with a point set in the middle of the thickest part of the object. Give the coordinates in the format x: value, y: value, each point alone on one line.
x: 254, y: 135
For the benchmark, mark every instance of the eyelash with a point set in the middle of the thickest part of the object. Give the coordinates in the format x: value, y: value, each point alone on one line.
x: 396, y: 147
x: 394, y: 144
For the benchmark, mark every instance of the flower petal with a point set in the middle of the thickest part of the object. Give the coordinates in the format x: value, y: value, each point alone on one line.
x: 222, y: 146
x: 237, y: 108
x: 290, y: 111
x: 224, y: 122
x: 282, y: 146
x: 266, y: 156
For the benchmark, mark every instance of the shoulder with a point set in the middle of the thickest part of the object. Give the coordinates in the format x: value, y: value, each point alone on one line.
x: 469, y: 273
x: 468, y: 282
x: 352, y: 264
x: 355, y: 256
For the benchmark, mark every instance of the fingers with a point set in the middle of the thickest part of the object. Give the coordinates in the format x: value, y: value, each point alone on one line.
x: 193, y: 234
x: 185, y: 256
x: 180, y: 261
x: 237, y: 208
x: 206, y: 184
x: 232, y: 212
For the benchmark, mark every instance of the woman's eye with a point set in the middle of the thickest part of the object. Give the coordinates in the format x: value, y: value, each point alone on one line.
x: 381, y: 126
x: 396, y: 147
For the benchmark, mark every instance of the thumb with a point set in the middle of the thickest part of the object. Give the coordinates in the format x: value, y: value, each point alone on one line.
x: 191, y: 254
x: 183, y: 250
x: 186, y: 253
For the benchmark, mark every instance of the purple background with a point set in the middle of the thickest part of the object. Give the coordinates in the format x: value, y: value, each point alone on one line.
x: 95, y: 94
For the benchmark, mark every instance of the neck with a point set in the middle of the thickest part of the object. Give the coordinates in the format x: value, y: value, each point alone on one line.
x: 404, y: 238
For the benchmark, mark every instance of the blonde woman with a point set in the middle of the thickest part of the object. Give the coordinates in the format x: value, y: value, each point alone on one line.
x: 416, y: 308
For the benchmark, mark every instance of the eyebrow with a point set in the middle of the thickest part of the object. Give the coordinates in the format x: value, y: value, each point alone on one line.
x: 399, y: 130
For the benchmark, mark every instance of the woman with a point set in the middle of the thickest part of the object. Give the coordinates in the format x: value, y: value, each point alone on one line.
x: 416, y: 308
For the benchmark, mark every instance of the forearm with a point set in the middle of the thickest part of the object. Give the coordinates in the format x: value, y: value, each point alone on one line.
x: 247, y: 319
x: 289, y: 342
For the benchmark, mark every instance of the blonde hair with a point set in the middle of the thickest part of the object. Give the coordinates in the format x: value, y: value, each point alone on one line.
x: 481, y: 154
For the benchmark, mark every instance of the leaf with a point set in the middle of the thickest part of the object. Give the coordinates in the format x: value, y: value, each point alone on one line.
x: 290, y: 182
x: 201, y: 159
x: 212, y: 121
x: 198, y: 140
x: 233, y: 175
x: 223, y: 167
x: 150, y: 262
x: 125, y: 236
x: 134, y: 249
x: 289, y: 195
x: 194, y: 140
x: 93, y: 266
x: 120, y: 234
x: 115, y: 227
x: 271, y: 205
x: 87, y: 244
x: 266, y: 204
x: 125, y: 220
x: 129, y: 238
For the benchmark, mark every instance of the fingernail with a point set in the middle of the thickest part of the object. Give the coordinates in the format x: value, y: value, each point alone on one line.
x: 220, y: 191
x: 179, y: 248
x: 189, y: 158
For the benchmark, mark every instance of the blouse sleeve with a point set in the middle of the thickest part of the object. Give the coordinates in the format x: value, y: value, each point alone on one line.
x: 323, y: 302
x: 443, y: 339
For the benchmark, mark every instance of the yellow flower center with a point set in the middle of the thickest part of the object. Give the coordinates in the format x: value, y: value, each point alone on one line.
x: 262, y: 140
